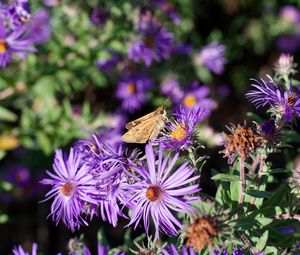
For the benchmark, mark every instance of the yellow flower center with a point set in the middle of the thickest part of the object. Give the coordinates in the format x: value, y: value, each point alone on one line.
x: 189, y: 101
x: 131, y: 88
x: 179, y: 133
x: 153, y: 193
x: 68, y: 188
x: 2, y: 46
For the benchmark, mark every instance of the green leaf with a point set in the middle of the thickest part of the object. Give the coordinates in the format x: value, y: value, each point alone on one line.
x: 262, y: 241
x: 44, y: 142
x: 226, y: 177
x: 295, y: 82
x: 6, y: 115
x: 3, y: 218
x: 101, y: 237
x: 258, y: 193
x: 6, y: 186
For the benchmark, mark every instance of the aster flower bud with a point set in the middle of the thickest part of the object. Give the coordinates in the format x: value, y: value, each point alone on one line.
x: 284, y: 67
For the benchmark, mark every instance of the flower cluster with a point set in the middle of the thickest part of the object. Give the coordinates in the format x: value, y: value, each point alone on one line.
x: 20, y: 30
x: 284, y: 103
x: 97, y: 179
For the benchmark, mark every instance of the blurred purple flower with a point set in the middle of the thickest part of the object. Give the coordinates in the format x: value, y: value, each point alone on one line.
x: 288, y: 43
x: 99, y: 16
x: 39, y: 29
x: 132, y: 92
x: 285, y: 104
x: 18, y: 175
x: 197, y: 97
x: 50, y: 3
x: 108, y: 64
x: 212, y: 57
x: 170, y: 87
x: 168, y: 8
x: 13, y: 43
x: 180, y: 131
x: 72, y: 189
x: 18, y: 13
x: 290, y: 14
x: 155, y: 43
x: 20, y: 251
x: 158, y: 191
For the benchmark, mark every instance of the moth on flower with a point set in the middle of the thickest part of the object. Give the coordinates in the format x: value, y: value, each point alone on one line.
x: 147, y: 127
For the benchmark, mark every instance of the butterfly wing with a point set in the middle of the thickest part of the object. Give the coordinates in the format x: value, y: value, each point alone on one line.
x: 138, y: 121
x: 140, y: 133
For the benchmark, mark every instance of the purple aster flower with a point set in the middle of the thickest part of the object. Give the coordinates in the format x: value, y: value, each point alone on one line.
x: 159, y: 192
x: 285, y: 104
x: 13, y: 43
x: 170, y: 87
x: 20, y: 251
x: 179, y: 132
x: 197, y: 97
x: 18, y: 175
x: 99, y: 16
x: 212, y: 57
x: 39, y: 29
x: 155, y: 43
x: 132, y: 92
x: 18, y: 13
x: 72, y: 189
x: 290, y: 14
x: 172, y: 250
x: 111, y: 169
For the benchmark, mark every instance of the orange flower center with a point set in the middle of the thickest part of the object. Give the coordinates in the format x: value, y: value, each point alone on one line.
x: 131, y: 88
x: 291, y: 99
x: 68, y: 188
x: 179, y: 133
x: 189, y: 101
x: 149, y: 41
x: 153, y: 193
x: 2, y: 46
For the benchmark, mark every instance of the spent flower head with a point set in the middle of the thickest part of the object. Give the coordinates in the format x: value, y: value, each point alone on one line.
x: 240, y: 142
